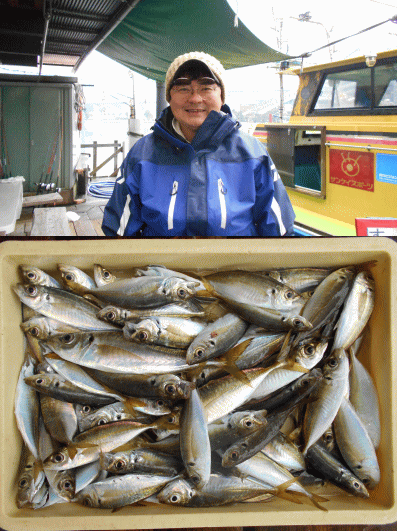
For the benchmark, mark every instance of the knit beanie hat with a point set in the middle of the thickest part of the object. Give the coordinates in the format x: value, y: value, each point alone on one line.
x: 214, y: 67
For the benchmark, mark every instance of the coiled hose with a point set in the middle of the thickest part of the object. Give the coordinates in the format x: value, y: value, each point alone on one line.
x: 101, y: 189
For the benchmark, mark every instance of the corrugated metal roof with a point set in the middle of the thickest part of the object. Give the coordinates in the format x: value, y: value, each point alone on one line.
x: 56, y: 32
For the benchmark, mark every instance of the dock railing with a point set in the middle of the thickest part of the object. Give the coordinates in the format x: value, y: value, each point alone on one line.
x: 117, y: 148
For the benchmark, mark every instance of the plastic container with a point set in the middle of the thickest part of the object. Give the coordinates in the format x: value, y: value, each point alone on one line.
x: 379, y: 355
x: 11, y: 197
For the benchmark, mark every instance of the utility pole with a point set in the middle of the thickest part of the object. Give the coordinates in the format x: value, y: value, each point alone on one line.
x: 306, y: 17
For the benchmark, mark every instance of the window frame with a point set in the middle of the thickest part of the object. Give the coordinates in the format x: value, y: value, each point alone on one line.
x: 353, y: 111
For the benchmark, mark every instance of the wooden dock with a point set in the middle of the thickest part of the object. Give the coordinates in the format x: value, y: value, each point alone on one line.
x: 85, y: 220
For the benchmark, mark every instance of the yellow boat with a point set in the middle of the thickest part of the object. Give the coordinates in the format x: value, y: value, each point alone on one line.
x: 337, y: 155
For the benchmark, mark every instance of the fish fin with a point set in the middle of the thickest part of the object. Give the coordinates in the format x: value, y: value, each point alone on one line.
x: 293, y: 366
x: 131, y: 403
x: 37, y: 469
x: 295, y: 434
x: 214, y: 310
x: 285, y: 347
x: 91, y: 298
x: 237, y: 373
x: 77, y: 288
x: 313, y: 499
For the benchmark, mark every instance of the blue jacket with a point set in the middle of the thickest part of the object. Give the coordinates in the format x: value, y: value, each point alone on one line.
x: 222, y: 184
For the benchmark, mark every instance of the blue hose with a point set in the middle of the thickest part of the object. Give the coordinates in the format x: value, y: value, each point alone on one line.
x: 102, y: 189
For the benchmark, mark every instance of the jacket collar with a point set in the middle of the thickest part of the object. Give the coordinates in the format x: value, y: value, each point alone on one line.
x: 213, y: 130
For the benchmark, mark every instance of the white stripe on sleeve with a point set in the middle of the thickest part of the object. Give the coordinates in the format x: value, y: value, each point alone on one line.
x: 275, y: 208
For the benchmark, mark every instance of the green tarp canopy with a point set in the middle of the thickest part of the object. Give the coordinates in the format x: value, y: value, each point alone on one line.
x: 149, y: 38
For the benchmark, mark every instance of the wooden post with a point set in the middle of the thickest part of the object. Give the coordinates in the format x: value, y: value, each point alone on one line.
x: 116, y: 145
x: 94, y: 157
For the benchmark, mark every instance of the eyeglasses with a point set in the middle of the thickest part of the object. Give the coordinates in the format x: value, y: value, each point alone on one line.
x: 206, y: 87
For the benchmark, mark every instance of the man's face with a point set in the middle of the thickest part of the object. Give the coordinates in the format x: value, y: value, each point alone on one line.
x: 192, y: 101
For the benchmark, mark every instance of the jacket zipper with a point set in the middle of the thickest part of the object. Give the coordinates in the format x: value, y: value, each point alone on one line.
x: 171, y: 207
x: 222, y: 192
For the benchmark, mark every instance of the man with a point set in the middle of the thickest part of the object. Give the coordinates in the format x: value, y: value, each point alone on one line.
x: 197, y: 174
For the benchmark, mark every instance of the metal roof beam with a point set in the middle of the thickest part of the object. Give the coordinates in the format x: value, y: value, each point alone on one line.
x: 72, y: 28
x: 83, y: 15
x: 122, y: 12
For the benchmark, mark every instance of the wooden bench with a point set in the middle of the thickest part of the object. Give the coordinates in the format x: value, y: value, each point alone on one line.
x: 50, y: 221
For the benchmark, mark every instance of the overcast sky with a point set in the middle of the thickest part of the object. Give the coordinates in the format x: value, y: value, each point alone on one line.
x: 270, y: 21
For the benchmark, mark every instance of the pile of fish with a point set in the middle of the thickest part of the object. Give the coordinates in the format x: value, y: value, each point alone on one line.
x: 196, y: 390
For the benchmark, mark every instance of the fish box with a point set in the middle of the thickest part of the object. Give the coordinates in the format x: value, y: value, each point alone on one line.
x: 379, y: 355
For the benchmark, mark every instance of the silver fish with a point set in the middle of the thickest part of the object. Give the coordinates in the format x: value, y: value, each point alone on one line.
x: 142, y: 292
x: 329, y: 394
x: 356, y: 445
x: 220, y: 490
x: 216, y: 338
x: 120, y: 316
x: 103, y: 276
x: 62, y: 305
x: 59, y: 418
x: 175, y: 332
x: 194, y: 440
x: 115, y: 354
x: 118, y: 491
x: 71, y: 273
x: 356, y: 312
x: 34, y: 275
x: 141, y: 460
x: 364, y: 398
x: 27, y: 409
x: 31, y: 481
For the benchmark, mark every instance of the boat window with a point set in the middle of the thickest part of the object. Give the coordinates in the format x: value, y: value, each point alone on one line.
x: 386, y: 85
x: 346, y: 90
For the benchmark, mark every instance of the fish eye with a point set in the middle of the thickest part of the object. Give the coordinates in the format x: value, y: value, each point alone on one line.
x: 66, y: 485
x: 69, y: 276
x: 23, y: 483
x: 39, y: 381
x: 35, y: 332
x: 195, y: 479
x: 86, y: 409
x: 106, y: 274
x: 87, y: 502
x: 248, y: 423
x: 111, y: 316
x: 120, y: 464
x: 32, y: 290
x: 59, y: 458
x: 181, y: 293
x: 199, y: 352
x: 67, y: 338
x: 356, y: 484
x: 175, y: 498
x: 332, y: 362
x: 119, y: 416
x: 143, y: 336
x: 289, y: 294
x: 160, y: 403
x: 170, y: 389
x: 328, y: 437
x: 309, y: 349
x: 101, y: 422
x: 234, y: 455
x: 31, y: 275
